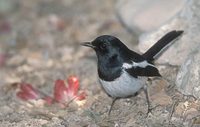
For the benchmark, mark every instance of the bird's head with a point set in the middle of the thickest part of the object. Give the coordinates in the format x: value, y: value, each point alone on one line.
x: 106, y: 46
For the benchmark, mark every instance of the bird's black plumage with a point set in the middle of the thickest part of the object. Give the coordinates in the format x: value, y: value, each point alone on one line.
x: 112, y: 53
x: 122, y: 72
x: 160, y: 44
x: 148, y: 71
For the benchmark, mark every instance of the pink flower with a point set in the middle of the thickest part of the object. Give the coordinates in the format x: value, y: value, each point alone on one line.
x: 64, y: 94
x: 27, y: 92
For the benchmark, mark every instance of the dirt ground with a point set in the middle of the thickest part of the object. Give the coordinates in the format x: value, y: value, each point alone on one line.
x: 40, y: 43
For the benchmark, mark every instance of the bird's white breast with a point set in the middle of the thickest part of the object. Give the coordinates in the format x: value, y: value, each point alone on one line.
x: 124, y: 86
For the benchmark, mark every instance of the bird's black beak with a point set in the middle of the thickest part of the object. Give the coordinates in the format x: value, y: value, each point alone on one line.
x: 88, y: 44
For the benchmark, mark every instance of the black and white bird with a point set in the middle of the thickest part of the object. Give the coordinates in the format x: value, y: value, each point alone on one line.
x: 123, y: 72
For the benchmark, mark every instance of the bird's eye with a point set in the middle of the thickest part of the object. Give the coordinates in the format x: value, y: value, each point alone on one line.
x: 103, y: 46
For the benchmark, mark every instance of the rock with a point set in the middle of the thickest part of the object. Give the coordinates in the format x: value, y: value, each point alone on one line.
x: 184, y: 50
x: 188, y: 112
x: 162, y: 98
x: 187, y: 20
x: 179, y: 109
x: 145, y: 15
x: 188, y: 78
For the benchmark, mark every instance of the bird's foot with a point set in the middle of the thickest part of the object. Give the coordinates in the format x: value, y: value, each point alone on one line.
x: 150, y: 110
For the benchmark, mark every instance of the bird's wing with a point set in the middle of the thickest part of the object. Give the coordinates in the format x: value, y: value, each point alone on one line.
x: 143, y: 68
x: 136, y: 65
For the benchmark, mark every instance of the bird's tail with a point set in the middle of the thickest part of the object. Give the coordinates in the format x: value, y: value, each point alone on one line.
x: 157, y: 49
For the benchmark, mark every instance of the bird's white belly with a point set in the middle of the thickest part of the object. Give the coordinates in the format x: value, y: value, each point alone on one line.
x: 124, y: 86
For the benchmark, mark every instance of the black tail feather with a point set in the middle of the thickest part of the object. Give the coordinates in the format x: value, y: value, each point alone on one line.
x: 163, y: 43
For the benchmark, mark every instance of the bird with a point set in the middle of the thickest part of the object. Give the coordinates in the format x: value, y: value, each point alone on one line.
x: 122, y: 72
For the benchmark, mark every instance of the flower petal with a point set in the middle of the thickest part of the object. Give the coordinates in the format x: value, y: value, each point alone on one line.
x: 48, y: 100
x: 73, y: 85
x: 23, y: 96
x: 81, y: 96
x: 27, y: 92
x: 60, y: 91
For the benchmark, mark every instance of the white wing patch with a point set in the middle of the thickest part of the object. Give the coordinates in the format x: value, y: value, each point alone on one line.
x: 142, y: 64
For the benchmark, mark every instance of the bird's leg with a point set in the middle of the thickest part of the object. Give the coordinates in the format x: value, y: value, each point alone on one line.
x: 113, y: 101
x: 147, y: 98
